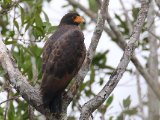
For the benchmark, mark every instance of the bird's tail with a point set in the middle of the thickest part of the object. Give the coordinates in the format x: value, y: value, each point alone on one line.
x: 53, y: 102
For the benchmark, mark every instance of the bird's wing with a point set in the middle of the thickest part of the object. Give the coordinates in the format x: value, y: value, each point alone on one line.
x: 49, y: 45
x: 63, y: 59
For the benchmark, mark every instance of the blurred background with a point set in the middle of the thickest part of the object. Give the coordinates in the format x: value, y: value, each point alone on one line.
x: 25, y: 25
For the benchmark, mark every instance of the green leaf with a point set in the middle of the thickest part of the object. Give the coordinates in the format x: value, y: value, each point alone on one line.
x: 123, y: 24
x: 29, y: 23
x: 51, y: 29
x: 93, y: 5
x: 38, y: 32
x: 101, y: 81
x: 7, y: 42
x: 109, y: 101
x: 1, y: 113
x: 22, y: 15
x: 127, y: 102
x: 48, y: 27
x: 92, y: 75
x: 11, y: 33
x: 88, y: 92
x: 120, y: 117
x: 100, y: 59
x: 11, y: 111
x: 131, y: 112
x: 111, y: 118
x: 65, y: 5
x: 16, y: 24
x: 46, y: 16
x: 135, y: 12
x: 2, y: 72
x: 38, y: 20
x: 71, y: 118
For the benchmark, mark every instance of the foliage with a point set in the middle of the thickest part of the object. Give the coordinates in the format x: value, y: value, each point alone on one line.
x: 127, y: 111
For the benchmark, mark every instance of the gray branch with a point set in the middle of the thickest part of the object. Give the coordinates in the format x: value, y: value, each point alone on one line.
x: 129, y: 23
x: 153, y: 102
x: 95, y: 102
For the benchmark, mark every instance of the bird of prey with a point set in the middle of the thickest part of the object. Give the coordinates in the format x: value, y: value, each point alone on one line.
x: 62, y: 57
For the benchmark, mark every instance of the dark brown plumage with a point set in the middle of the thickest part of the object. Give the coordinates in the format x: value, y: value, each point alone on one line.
x: 63, y: 55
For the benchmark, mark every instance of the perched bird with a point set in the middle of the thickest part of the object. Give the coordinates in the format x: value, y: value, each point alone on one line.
x: 62, y: 57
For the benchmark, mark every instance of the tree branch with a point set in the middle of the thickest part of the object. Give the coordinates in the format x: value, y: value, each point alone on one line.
x: 129, y: 23
x: 153, y: 107
x: 94, y: 103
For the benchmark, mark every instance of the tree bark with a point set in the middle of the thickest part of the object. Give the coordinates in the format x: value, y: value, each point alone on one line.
x: 153, y: 102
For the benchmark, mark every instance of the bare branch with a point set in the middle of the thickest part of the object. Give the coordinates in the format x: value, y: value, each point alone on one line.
x: 129, y: 23
x: 9, y: 99
x: 153, y: 107
x: 139, y: 90
x: 153, y: 34
x: 94, y: 103
x: 7, y: 103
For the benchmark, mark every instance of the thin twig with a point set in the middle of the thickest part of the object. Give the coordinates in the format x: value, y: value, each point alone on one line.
x: 7, y: 102
x: 9, y: 99
x: 154, y: 35
x: 139, y: 95
x: 153, y: 107
x: 129, y: 23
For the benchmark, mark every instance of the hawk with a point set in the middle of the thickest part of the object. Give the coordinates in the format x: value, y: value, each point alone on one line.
x: 62, y: 57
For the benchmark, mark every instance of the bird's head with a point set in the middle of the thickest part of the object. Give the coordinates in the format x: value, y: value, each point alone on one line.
x: 72, y: 19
